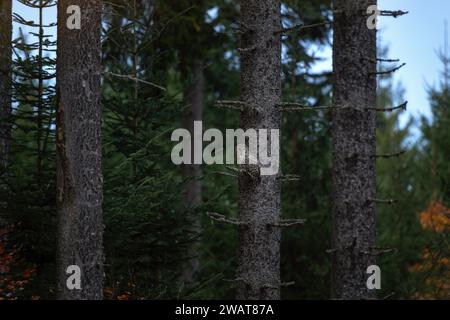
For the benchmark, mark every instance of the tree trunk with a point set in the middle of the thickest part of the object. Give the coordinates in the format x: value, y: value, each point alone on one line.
x: 192, y: 193
x: 79, y: 176
x: 5, y: 81
x: 354, y: 147
x: 258, y: 256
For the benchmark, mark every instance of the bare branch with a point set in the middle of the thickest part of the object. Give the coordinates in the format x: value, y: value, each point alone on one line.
x: 388, y: 60
x: 233, y: 281
x: 388, y: 296
x: 225, y: 174
x: 395, y: 14
x: 267, y: 286
x: 221, y: 218
x: 390, y: 70
x: 289, y: 177
x: 392, y: 155
x: 289, y: 223
x: 251, y: 174
x: 293, y: 106
x: 403, y: 107
x: 287, y: 284
x: 376, y: 251
x: 249, y: 49
x: 301, y: 27
x: 130, y: 77
x: 232, y: 104
x: 383, y: 251
x: 384, y: 201
x: 282, y: 284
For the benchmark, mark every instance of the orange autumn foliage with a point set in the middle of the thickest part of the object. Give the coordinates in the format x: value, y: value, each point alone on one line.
x: 436, y: 217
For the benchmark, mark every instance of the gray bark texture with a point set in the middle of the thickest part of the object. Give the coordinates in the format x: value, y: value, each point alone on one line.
x: 5, y: 81
x: 79, y: 175
x: 354, y: 147
x: 258, y: 256
x: 192, y: 189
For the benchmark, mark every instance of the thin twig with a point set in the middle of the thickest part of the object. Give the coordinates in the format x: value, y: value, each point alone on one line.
x: 129, y: 77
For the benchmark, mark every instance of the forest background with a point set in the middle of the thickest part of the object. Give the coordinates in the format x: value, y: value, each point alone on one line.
x: 185, y: 51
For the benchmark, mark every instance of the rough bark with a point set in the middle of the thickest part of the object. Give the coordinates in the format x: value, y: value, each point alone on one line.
x: 354, y: 146
x: 40, y: 103
x: 192, y: 189
x: 258, y: 256
x: 79, y: 176
x: 5, y: 81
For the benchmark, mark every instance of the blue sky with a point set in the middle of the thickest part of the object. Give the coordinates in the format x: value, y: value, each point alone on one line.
x: 414, y: 38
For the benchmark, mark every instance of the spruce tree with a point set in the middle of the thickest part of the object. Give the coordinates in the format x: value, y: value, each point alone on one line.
x: 79, y: 154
